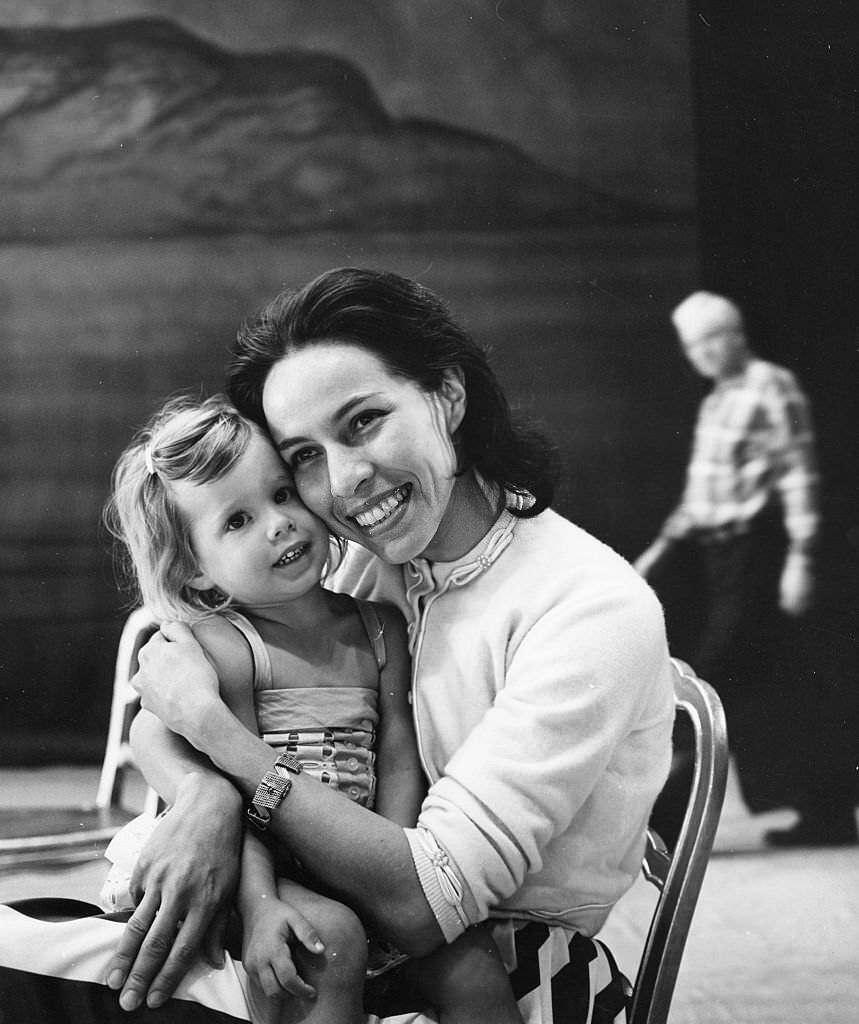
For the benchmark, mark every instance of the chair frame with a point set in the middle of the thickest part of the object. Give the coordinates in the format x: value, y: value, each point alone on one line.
x: 73, y: 835
x: 678, y: 876
x: 118, y: 757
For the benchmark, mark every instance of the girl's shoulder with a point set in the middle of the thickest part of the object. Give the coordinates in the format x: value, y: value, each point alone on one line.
x: 382, y: 625
x: 225, y: 647
x: 383, y: 612
x: 387, y: 632
x: 379, y: 615
x: 388, y: 614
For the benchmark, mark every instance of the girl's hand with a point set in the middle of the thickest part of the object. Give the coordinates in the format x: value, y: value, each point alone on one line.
x: 266, y: 953
x: 176, y: 681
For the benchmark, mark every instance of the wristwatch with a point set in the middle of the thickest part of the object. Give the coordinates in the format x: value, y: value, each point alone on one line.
x: 272, y: 790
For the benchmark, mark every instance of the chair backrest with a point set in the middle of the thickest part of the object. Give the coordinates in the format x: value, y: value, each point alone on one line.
x: 118, y: 758
x: 678, y: 875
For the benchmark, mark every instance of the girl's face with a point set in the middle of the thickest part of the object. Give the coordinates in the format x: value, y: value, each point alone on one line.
x: 372, y: 454
x: 253, y: 538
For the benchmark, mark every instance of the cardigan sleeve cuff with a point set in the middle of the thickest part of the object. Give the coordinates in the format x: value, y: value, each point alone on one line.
x: 442, y: 884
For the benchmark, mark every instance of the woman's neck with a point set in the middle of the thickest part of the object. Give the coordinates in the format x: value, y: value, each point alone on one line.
x: 468, y: 518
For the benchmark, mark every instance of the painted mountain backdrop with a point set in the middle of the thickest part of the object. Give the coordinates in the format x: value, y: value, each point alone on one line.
x: 140, y: 128
x: 596, y: 89
x: 168, y: 165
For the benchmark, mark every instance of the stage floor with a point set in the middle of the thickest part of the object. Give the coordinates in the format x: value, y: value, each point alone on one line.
x: 773, y: 941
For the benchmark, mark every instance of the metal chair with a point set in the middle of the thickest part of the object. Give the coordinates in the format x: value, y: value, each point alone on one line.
x: 678, y: 875
x: 55, y: 836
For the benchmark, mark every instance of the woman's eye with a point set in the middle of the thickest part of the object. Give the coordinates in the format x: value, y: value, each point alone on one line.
x: 365, y: 418
x: 301, y: 457
x: 237, y: 521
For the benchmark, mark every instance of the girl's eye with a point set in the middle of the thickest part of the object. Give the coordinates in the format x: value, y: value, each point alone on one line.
x: 237, y: 521
x: 282, y: 495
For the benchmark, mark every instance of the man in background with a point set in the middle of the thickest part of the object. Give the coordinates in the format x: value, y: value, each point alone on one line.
x: 749, y: 515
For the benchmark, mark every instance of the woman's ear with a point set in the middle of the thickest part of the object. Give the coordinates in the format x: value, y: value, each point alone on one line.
x: 453, y: 398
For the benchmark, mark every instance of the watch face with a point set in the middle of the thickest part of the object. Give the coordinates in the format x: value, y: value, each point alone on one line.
x: 270, y: 792
x: 273, y: 788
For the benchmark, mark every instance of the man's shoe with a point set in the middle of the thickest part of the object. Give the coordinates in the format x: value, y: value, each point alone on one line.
x: 805, y: 833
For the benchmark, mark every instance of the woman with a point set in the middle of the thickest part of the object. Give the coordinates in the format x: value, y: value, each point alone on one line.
x: 542, y: 688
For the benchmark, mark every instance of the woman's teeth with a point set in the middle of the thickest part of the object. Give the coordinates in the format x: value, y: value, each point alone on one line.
x: 375, y: 515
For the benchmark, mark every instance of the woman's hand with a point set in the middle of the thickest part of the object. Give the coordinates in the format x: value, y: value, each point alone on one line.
x: 184, y: 885
x: 176, y: 681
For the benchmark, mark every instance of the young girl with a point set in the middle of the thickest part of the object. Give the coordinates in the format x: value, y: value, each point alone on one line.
x: 215, y: 535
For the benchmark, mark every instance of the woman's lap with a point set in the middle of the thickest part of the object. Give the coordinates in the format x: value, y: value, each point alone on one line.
x: 55, y: 970
x: 557, y: 980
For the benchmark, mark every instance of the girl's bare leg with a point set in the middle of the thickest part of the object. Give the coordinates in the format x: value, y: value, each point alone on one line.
x: 338, y: 973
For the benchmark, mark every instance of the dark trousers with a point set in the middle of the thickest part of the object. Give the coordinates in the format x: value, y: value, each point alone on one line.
x: 721, y: 599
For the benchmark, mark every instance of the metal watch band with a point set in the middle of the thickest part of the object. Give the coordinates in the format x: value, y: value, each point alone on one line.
x: 272, y: 790
x: 288, y: 761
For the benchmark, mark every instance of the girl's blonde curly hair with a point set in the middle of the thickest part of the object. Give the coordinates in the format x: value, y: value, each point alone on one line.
x: 188, y: 438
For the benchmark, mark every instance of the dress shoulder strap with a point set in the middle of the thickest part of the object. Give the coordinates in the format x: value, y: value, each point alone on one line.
x: 263, y: 678
x: 375, y: 629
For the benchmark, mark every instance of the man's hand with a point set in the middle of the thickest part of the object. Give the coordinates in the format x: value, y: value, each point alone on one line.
x: 651, y: 557
x: 796, y: 587
x: 184, y: 885
x: 176, y: 681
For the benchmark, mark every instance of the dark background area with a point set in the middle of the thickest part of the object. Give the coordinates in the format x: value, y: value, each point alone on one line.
x: 776, y: 116
x: 577, y: 321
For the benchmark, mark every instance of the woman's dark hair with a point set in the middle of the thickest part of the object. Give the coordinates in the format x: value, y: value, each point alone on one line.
x: 411, y: 330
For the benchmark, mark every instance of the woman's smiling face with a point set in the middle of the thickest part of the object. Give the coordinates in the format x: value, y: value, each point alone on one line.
x: 371, y: 452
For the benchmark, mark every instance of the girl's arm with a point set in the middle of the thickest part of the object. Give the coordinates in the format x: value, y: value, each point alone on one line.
x: 179, y: 773
x: 269, y: 926
x: 400, y: 781
x: 168, y: 762
x: 230, y: 656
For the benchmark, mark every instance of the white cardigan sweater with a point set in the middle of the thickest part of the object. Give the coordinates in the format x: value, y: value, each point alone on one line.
x: 543, y: 704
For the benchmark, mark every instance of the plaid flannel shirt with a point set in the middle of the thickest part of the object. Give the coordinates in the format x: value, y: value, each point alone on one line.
x: 753, y: 444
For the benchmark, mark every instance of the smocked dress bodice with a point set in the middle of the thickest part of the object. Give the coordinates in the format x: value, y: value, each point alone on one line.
x: 330, y: 729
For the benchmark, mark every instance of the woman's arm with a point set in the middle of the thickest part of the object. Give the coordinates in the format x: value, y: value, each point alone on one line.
x: 400, y: 781
x: 365, y: 857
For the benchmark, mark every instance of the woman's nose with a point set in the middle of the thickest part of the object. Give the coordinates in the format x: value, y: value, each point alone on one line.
x: 347, y: 470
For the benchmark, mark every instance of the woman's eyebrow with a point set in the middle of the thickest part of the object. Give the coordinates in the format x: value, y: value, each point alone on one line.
x: 339, y: 413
